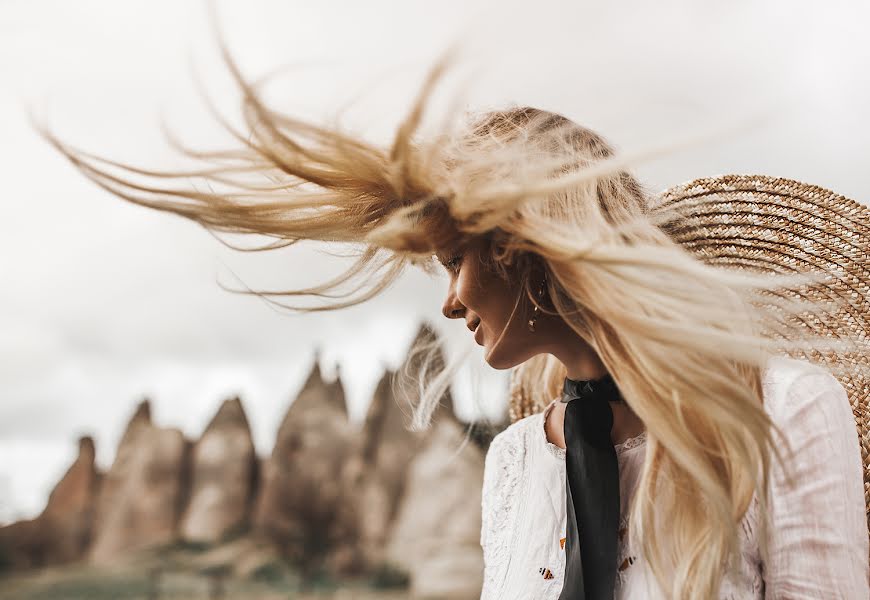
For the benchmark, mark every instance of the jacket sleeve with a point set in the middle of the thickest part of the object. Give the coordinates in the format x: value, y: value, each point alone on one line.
x: 502, y: 474
x: 492, y: 470
x: 817, y: 536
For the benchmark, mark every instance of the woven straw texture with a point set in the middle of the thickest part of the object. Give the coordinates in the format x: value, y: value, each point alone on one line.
x: 779, y: 225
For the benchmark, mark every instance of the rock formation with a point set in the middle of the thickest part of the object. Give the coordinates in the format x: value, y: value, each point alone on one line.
x: 377, y: 483
x: 68, y: 516
x: 223, y: 477
x: 142, y: 494
x: 21, y: 545
x: 62, y: 532
x: 436, y: 535
x: 375, y: 476
x: 330, y: 496
x: 302, y: 507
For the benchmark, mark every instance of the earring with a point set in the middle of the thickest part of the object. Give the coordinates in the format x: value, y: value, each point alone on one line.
x: 536, y: 309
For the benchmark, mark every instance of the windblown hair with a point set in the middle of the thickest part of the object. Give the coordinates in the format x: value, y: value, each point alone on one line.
x: 683, y: 340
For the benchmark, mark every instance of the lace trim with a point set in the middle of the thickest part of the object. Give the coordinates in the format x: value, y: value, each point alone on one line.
x: 768, y: 378
x: 630, y: 443
x: 551, y: 447
x: 501, y: 510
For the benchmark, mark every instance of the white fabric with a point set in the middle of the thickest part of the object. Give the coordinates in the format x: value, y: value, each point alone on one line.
x: 818, y: 537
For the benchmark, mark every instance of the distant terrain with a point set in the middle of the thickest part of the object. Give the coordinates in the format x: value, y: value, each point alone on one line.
x: 181, y: 574
x: 334, y: 510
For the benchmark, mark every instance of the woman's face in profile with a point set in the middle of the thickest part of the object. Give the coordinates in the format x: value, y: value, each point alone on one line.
x: 485, y: 301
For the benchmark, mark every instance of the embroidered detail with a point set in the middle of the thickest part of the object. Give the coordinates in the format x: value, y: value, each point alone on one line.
x: 562, y: 543
x: 556, y: 451
x: 504, y: 497
x: 547, y: 573
x: 624, y: 555
x: 503, y: 491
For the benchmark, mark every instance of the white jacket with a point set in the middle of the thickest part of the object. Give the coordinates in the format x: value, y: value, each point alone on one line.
x: 818, y: 542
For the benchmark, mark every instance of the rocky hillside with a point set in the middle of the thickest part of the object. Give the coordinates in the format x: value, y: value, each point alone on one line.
x: 331, y: 496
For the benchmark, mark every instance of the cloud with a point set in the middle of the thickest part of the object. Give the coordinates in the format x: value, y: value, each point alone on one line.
x: 103, y: 302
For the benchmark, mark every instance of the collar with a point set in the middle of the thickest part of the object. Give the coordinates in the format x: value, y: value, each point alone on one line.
x: 573, y: 389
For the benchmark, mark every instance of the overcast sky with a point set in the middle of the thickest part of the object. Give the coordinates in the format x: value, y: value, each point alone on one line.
x: 102, y: 302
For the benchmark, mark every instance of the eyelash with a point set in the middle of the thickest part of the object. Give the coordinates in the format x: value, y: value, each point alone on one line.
x: 449, y: 262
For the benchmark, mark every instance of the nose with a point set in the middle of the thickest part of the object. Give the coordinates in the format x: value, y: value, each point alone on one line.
x: 452, y: 308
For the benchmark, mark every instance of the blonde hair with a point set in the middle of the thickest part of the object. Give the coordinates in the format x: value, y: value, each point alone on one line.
x: 684, y: 341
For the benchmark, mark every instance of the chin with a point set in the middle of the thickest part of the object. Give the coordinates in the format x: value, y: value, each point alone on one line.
x: 500, y: 363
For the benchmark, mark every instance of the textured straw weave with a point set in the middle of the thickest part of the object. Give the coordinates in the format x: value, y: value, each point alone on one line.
x: 779, y: 225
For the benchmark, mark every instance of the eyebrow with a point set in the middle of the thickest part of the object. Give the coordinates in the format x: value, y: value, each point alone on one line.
x: 443, y: 256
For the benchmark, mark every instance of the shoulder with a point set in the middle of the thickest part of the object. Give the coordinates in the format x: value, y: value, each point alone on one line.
x: 805, y: 396
x: 504, y: 473
x: 515, y: 437
x: 782, y: 371
x: 817, y: 435
x: 507, y: 456
x: 817, y: 543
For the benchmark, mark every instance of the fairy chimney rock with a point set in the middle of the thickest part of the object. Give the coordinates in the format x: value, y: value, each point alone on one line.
x: 317, y: 391
x: 426, y: 346
x: 62, y: 532
x: 436, y: 537
x: 68, y: 516
x: 141, y: 417
x: 312, y: 447
x: 87, y: 449
x: 376, y: 477
x: 224, y: 469
x: 141, y: 495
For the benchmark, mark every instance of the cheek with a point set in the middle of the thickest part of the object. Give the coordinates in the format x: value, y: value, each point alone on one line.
x: 488, y: 296
x: 471, y: 288
x: 468, y: 292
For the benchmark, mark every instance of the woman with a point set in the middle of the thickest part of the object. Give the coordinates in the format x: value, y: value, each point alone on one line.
x: 565, y: 276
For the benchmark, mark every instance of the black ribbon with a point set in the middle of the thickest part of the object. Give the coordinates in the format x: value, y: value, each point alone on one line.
x: 592, y: 490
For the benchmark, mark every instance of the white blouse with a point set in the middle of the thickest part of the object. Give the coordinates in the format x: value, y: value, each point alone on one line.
x: 818, y: 539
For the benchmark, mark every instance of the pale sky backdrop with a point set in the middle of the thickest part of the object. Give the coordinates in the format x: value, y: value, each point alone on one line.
x: 102, y: 302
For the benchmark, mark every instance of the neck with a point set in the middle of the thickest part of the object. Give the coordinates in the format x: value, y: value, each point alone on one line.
x: 555, y: 336
x: 580, y: 360
x: 582, y: 364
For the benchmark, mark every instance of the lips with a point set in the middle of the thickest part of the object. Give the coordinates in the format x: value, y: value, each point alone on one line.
x: 477, y: 332
x: 473, y: 325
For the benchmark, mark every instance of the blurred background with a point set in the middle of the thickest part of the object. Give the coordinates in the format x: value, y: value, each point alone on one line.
x: 200, y: 443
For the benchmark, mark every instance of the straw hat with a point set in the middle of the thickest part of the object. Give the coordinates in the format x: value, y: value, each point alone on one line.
x: 780, y: 225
